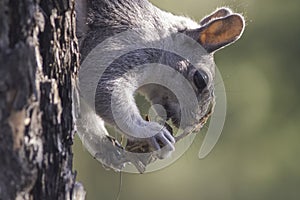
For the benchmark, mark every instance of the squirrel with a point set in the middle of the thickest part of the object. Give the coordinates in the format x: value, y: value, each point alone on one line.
x: 153, y: 33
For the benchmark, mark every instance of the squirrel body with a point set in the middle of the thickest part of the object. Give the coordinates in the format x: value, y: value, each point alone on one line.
x: 137, y: 63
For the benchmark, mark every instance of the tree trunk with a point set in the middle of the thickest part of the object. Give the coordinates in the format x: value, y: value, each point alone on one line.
x: 38, y: 67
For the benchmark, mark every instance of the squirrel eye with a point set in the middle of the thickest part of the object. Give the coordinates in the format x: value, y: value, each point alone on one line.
x: 200, y: 80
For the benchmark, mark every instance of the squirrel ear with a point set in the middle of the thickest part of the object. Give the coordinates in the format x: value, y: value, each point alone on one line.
x: 222, y: 12
x: 219, y: 32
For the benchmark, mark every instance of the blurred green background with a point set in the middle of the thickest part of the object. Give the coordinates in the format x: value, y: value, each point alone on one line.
x: 257, y: 156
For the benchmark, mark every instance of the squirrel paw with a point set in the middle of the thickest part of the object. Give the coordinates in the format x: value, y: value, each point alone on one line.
x: 111, y: 154
x: 161, y: 144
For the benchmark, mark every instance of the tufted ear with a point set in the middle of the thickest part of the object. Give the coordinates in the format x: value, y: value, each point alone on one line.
x: 219, y: 32
x: 219, y: 13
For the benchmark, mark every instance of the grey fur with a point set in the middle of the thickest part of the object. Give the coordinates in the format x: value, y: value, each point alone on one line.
x: 99, y: 20
x: 105, y: 18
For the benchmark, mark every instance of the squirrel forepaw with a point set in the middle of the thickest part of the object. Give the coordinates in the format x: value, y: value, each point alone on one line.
x: 162, y: 144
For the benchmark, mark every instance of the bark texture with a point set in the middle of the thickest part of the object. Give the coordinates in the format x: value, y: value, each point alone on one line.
x: 38, y: 67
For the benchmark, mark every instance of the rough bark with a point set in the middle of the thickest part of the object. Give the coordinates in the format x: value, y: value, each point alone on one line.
x: 38, y: 67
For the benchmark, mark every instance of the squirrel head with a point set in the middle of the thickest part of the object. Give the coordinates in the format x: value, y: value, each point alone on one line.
x: 196, y: 64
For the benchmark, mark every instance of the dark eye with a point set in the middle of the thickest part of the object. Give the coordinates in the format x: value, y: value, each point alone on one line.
x: 200, y: 80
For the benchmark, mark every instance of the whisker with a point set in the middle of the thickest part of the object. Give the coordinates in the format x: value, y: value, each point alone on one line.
x: 120, y: 186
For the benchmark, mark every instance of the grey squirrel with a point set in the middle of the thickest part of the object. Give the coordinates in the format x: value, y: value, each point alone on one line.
x: 113, y: 93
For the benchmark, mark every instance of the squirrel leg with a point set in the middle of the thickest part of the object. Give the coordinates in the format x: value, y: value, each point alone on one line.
x: 128, y: 120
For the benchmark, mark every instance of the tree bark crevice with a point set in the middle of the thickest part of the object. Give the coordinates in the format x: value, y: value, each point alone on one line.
x: 39, y: 58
